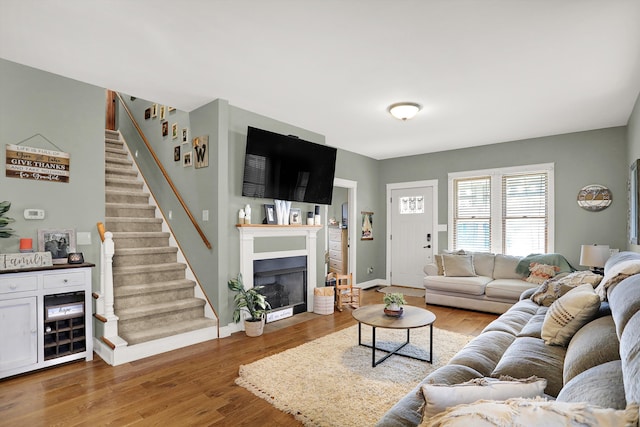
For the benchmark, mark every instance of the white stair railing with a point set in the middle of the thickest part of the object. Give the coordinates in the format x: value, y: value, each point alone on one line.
x: 104, y: 304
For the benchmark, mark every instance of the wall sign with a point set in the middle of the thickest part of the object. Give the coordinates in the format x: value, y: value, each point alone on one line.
x: 37, y: 164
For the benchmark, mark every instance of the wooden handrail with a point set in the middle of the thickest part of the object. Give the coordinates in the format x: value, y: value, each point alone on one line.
x: 164, y: 172
x: 101, y: 231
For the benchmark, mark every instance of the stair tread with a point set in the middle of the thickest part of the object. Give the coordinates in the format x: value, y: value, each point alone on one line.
x: 120, y: 192
x: 129, y: 205
x: 133, y: 269
x: 132, y: 219
x: 165, y: 330
x: 129, y: 290
x: 143, y: 251
x: 158, y: 308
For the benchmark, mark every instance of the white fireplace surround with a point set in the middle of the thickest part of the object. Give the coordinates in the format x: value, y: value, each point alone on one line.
x: 249, y: 232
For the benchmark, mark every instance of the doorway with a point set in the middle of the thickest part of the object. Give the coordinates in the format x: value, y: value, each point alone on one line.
x: 412, y: 216
x: 345, y: 196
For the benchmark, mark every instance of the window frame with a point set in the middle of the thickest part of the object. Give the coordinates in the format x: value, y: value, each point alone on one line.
x: 496, y: 219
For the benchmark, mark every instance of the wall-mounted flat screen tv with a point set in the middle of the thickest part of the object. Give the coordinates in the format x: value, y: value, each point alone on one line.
x: 284, y: 167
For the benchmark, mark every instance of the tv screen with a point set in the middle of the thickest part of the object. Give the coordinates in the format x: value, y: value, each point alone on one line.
x: 287, y: 168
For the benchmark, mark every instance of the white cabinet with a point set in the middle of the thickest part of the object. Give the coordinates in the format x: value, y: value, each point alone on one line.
x: 45, y: 317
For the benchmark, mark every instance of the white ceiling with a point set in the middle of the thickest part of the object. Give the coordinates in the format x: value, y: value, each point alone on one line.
x: 486, y: 71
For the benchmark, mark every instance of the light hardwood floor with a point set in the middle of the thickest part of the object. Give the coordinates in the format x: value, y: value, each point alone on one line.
x: 187, y: 387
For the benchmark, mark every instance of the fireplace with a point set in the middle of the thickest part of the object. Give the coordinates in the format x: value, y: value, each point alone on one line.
x: 284, y: 282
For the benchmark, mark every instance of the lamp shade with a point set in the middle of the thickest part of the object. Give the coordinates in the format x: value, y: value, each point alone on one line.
x: 404, y: 110
x: 594, y: 255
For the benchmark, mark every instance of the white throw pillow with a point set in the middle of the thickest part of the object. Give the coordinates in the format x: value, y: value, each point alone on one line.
x: 458, y: 265
x: 568, y: 314
x: 439, y: 397
x: 532, y: 413
x: 617, y: 274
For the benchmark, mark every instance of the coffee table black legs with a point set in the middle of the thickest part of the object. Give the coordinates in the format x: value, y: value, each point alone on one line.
x: 396, y: 350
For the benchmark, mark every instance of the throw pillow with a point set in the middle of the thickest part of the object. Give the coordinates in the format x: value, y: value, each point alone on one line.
x: 505, y: 267
x: 532, y: 412
x: 559, y: 285
x: 458, y: 265
x: 617, y: 274
x: 439, y: 397
x: 568, y: 314
x: 439, y: 259
x: 539, y: 273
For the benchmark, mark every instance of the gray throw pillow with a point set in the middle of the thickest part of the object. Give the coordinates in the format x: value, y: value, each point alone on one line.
x: 458, y: 265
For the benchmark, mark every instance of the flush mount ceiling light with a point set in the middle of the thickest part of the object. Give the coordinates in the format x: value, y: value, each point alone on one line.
x: 404, y: 110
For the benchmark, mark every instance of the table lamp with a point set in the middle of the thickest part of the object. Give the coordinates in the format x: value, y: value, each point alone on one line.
x: 594, y: 257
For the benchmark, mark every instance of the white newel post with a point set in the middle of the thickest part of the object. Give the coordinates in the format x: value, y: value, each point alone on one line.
x: 248, y: 233
x: 111, y: 326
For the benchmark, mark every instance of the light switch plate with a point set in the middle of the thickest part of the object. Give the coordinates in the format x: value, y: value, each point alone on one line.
x: 83, y: 238
x: 34, y: 213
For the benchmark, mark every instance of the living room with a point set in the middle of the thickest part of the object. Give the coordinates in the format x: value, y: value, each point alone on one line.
x: 70, y: 112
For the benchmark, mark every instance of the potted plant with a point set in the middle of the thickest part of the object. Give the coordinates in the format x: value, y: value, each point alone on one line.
x: 252, y: 302
x: 4, y: 220
x: 393, y: 301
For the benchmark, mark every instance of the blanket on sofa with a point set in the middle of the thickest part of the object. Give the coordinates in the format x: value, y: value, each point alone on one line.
x: 549, y: 259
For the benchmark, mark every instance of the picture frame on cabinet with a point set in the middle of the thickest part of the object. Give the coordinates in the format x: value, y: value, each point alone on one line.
x: 295, y: 216
x: 59, y: 242
x: 270, y: 214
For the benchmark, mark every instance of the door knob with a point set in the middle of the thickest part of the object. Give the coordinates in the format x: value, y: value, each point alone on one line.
x: 428, y: 246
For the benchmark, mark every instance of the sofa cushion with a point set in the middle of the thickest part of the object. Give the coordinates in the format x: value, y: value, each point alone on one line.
x: 533, y: 328
x: 594, y: 344
x: 484, y: 351
x: 505, y: 267
x: 510, y: 322
x: 506, y: 288
x: 536, y: 412
x: 616, y: 274
x: 568, y: 314
x: 530, y: 356
x: 539, y: 273
x: 630, y: 355
x: 458, y: 265
x: 439, y: 397
x: 483, y: 263
x: 599, y: 385
x: 462, y: 285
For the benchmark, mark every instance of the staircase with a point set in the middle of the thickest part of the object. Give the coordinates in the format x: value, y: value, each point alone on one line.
x: 153, y: 299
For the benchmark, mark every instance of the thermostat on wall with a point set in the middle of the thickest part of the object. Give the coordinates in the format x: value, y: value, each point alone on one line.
x: 33, y: 214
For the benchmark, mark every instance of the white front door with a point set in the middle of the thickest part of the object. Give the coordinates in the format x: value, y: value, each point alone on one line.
x: 411, y: 233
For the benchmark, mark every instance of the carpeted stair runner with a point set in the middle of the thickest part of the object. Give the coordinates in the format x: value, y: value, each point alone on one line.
x: 152, y: 297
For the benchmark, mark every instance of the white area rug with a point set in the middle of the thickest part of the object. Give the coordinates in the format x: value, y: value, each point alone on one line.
x: 330, y: 381
x: 409, y: 292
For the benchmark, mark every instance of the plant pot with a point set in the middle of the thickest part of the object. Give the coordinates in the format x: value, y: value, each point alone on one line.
x: 393, y: 307
x: 253, y: 328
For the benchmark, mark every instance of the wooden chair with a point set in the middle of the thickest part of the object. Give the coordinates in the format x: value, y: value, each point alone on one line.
x: 346, y: 293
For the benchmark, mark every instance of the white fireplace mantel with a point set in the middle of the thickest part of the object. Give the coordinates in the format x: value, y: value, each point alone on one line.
x: 248, y: 233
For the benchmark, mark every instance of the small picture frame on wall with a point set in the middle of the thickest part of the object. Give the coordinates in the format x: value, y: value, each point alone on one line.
x: 165, y: 128
x: 176, y: 153
x: 163, y: 113
x: 147, y: 113
x: 174, y: 131
x: 154, y: 111
x: 295, y: 216
x: 187, y: 159
x: 59, y: 242
x: 171, y: 109
x: 270, y: 214
x: 185, y: 135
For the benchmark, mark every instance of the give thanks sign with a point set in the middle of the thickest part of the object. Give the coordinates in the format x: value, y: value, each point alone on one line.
x: 37, y: 163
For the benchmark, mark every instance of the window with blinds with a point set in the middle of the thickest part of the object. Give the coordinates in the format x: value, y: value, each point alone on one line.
x: 524, y: 214
x: 505, y: 210
x: 472, y: 218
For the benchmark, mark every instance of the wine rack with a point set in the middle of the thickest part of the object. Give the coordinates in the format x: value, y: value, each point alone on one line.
x: 64, y: 326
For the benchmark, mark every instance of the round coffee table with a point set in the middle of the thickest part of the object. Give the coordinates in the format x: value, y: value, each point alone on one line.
x: 412, y: 317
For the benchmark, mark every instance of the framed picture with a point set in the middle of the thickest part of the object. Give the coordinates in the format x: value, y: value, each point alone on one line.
x: 176, y: 153
x: 174, y: 130
x: 171, y: 109
x: 201, y: 150
x: 187, y: 159
x: 270, y: 214
x: 295, y: 216
x: 367, y: 226
x: 163, y: 112
x: 165, y: 128
x: 59, y: 242
x: 634, y: 202
x: 154, y: 111
x: 185, y: 135
x: 147, y: 113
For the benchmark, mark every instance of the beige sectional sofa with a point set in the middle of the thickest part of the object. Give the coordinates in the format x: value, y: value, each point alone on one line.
x: 475, y: 281
x: 588, y: 353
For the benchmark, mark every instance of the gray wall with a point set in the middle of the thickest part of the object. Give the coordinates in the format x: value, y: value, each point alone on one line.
x: 593, y: 157
x: 71, y: 115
